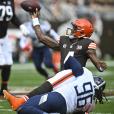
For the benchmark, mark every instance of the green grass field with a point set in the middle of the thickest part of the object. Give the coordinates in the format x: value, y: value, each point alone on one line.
x: 24, y: 78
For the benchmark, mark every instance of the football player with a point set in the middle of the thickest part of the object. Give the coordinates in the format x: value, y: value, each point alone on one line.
x: 7, y: 14
x: 40, y: 52
x: 76, y: 44
x: 77, y: 94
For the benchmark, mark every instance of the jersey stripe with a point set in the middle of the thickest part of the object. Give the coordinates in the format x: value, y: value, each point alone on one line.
x: 62, y: 79
x: 92, y: 46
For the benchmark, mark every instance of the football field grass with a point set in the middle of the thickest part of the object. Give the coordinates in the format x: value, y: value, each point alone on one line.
x: 24, y: 78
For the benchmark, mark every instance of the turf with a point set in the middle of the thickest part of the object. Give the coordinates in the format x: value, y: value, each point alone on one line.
x: 24, y: 78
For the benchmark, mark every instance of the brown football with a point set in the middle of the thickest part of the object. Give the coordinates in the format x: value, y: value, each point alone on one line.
x: 30, y: 5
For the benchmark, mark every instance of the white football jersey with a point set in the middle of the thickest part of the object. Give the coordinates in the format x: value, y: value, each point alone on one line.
x: 61, y: 78
x: 79, y: 92
x: 46, y: 29
x: 5, y: 51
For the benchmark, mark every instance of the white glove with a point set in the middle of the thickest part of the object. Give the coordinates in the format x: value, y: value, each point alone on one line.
x: 24, y: 30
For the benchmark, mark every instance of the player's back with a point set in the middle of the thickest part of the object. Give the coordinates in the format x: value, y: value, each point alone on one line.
x: 80, y: 92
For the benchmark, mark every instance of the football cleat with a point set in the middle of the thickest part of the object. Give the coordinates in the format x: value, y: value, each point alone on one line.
x: 15, y: 102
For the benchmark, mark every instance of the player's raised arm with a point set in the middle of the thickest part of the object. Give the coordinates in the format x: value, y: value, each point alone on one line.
x: 50, y: 42
x: 100, y: 65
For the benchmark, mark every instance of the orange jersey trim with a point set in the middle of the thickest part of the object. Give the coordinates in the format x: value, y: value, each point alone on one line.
x: 92, y: 46
x: 65, y: 77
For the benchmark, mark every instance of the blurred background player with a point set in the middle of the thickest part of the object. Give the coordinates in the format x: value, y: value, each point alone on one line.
x: 41, y: 54
x: 7, y: 14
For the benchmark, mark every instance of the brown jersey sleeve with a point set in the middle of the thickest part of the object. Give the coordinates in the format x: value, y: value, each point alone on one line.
x: 100, y: 65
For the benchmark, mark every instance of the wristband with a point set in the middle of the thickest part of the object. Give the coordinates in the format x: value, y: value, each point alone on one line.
x: 101, y: 69
x: 35, y: 21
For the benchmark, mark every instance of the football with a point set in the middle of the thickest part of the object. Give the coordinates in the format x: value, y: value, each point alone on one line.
x: 30, y: 5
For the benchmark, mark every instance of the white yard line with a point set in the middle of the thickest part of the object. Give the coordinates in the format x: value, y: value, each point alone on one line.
x: 111, y: 97
x: 106, y: 73
x: 31, y: 66
x: 5, y: 110
x: 101, y: 113
x: 109, y: 63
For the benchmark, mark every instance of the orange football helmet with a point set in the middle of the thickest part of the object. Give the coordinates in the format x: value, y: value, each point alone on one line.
x: 82, y: 28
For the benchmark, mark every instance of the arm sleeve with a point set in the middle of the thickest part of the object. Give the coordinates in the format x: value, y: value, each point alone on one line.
x: 73, y: 64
